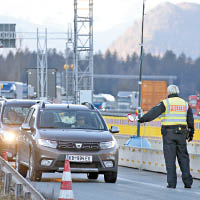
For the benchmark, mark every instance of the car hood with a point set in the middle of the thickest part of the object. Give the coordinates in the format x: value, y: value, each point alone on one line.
x: 76, y: 135
x: 11, y: 128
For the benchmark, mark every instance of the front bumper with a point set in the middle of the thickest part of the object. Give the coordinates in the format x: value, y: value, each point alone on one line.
x: 58, y: 157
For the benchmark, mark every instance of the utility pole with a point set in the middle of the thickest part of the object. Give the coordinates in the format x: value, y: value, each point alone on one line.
x: 140, y: 74
x: 42, y: 73
x: 83, y: 46
x: 8, y: 38
x: 69, y: 68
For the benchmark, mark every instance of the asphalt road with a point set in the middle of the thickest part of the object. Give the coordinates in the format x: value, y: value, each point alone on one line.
x: 132, y: 184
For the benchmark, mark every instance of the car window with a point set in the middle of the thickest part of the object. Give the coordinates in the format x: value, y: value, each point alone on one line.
x: 14, y: 114
x: 73, y: 119
x: 28, y: 115
x: 48, y: 119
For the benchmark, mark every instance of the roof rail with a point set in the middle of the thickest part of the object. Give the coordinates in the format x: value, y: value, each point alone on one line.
x: 89, y: 105
x: 45, y: 101
x: 42, y: 104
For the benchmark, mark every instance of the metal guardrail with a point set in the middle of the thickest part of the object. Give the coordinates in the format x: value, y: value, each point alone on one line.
x: 22, y: 188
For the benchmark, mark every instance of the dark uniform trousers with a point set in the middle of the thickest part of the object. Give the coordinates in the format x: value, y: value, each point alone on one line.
x: 174, y: 145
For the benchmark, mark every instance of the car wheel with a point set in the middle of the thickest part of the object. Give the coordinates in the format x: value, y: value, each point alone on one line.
x: 20, y: 168
x: 34, y: 174
x: 92, y: 175
x: 110, y: 177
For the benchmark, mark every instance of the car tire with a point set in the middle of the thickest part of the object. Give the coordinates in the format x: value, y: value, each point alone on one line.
x: 110, y: 177
x: 20, y: 168
x: 34, y: 175
x: 92, y: 175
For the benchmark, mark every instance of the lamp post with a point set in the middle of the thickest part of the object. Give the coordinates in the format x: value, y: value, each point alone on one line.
x: 140, y: 74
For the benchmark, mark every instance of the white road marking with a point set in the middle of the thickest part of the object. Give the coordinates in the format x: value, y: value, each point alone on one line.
x: 158, y: 186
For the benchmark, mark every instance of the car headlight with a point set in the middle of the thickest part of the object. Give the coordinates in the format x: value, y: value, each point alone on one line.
x: 107, y: 145
x: 47, y: 143
x: 9, y: 136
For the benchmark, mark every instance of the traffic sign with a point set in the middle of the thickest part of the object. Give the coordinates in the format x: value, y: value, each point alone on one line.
x: 131, y: 117
x: 7, y: 35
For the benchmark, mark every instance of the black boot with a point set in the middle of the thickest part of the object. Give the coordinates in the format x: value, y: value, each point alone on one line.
x: 171, y: 186
x: 187, y: 186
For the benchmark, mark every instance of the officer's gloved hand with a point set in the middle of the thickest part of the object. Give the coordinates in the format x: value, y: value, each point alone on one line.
x: 190, y: 138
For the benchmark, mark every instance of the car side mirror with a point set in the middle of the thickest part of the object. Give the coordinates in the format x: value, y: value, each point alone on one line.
x: 114, y: 129
x: 26, y: 127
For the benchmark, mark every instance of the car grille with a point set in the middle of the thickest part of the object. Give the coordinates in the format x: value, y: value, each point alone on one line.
x: 79, y: 165
x: 78, y: 146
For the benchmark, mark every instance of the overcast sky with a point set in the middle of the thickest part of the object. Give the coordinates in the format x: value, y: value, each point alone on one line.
x: 107, y: 13
x: 111, y: 18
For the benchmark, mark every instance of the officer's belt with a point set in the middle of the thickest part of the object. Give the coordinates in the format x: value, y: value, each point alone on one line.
x: 174, y: 126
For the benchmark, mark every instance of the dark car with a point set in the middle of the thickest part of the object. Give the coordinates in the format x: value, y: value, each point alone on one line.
x: 12, y: 115
x: 50, y: 132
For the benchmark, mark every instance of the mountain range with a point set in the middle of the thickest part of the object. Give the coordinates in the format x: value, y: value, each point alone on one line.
x: 168, y: 26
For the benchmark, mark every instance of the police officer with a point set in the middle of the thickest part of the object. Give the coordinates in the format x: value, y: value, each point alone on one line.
x: 177, y: 126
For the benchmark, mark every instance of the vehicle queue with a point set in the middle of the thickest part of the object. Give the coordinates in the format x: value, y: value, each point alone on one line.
x: 43, y: 133
x: 37, y: 135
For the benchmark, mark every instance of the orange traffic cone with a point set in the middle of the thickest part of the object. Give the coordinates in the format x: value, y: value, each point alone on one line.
x: 66, y: 192
x: 4, y: 155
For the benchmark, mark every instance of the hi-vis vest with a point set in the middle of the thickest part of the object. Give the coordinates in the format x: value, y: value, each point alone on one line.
x: 175, y: 111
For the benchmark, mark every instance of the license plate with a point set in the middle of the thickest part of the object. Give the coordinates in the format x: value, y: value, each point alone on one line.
x: 80, y: 158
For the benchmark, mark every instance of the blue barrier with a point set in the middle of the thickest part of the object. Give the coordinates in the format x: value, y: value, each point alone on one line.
x: 140, y: 142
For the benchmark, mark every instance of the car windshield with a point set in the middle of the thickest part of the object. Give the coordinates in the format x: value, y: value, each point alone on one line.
x: 74, y: 119
x: 15, y: 114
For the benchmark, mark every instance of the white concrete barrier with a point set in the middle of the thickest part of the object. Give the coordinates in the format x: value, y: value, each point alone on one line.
x: 153, y: 159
